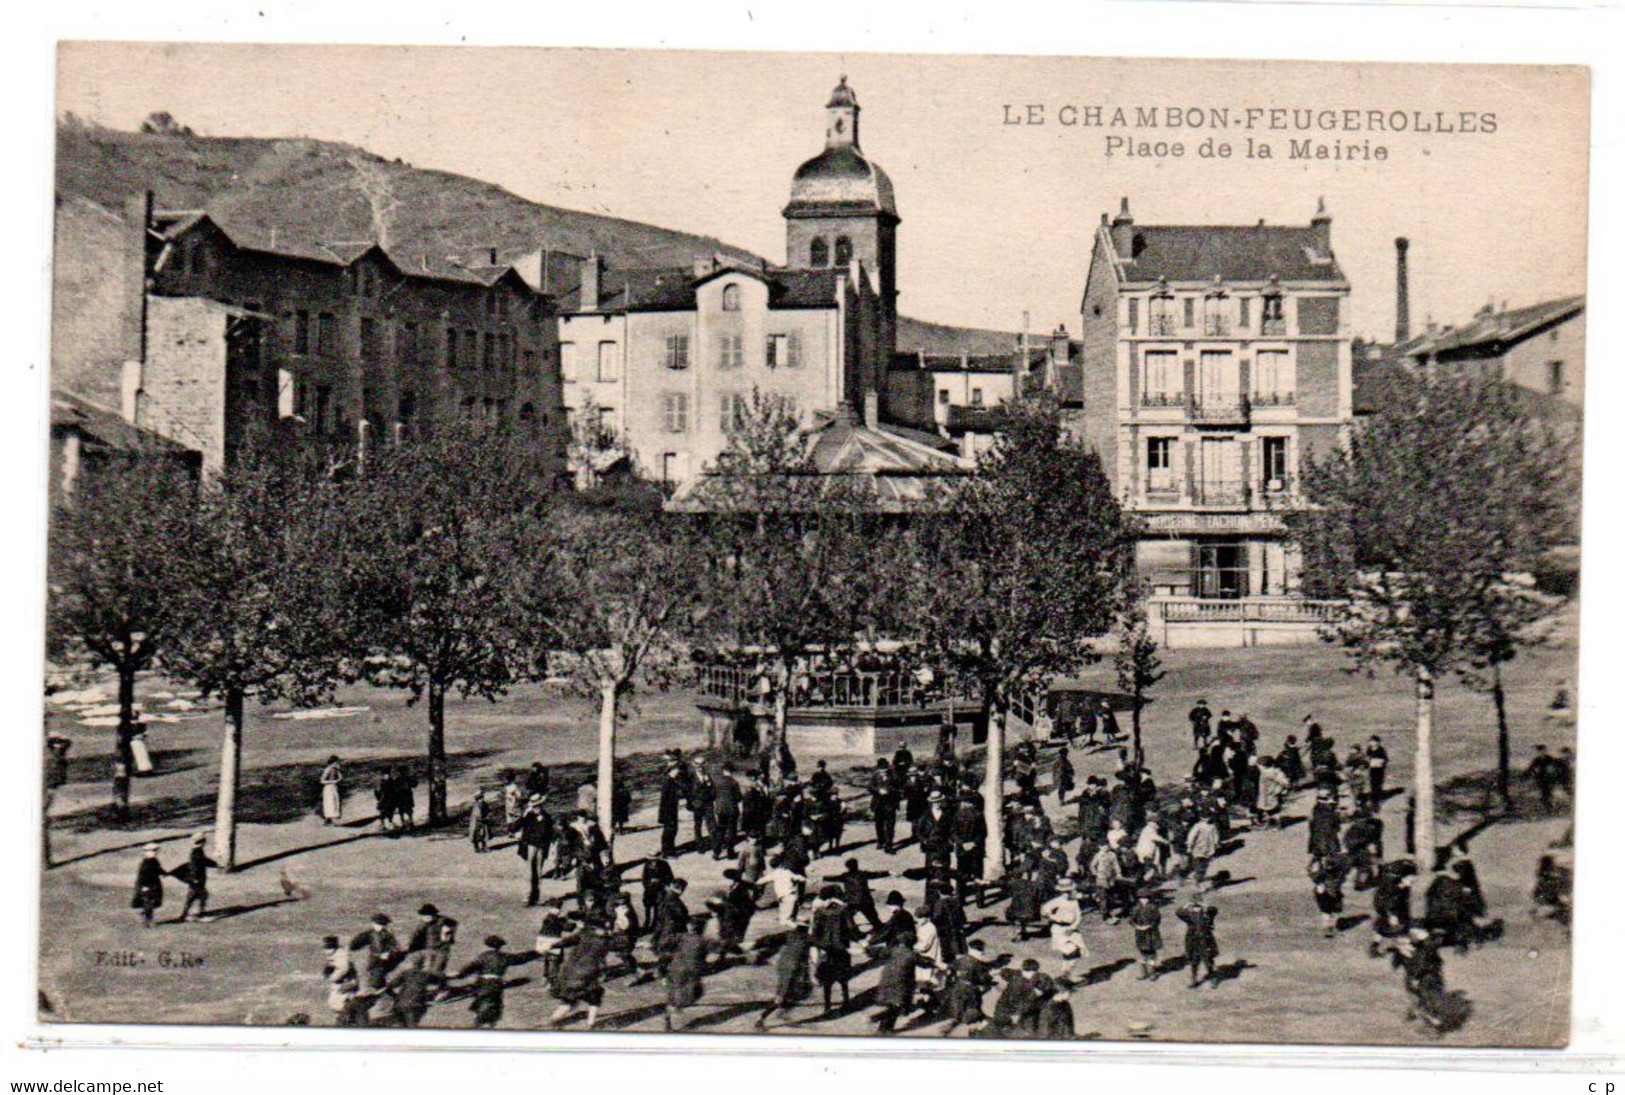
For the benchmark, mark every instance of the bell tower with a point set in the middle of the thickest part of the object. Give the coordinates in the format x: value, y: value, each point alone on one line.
x: 841, y: 131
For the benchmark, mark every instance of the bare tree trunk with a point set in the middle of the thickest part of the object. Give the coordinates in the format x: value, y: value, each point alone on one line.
x: 45, y: 826
x: 781, y: 722
x: 123, y: 755
x: 609, y: 695
x: 437, y: 754
x: 1503, y: 742
x: 993, y: 794
x: 1426, y: 842
x: 231, y: 768
x: 1139, y: 751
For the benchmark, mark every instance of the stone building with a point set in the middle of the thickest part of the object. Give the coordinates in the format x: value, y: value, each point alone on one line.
x: 667, y: 359
x: 1214, y: 361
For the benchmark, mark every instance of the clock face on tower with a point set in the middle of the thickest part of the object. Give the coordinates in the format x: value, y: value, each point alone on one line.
x: 840, y: 125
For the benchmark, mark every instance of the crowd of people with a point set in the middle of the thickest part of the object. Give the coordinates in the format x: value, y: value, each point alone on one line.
x: 1139, y: 849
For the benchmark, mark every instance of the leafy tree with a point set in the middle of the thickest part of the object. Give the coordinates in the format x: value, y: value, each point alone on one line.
x: 165, y: 123
x: 261, y: 611
x: 800, y: 551
x: 115, y: 546
x: 436, y: 526
x: 1019, y: 568
x: 1421, y: 526
x: 618, y: 589
x: 1138, y: 665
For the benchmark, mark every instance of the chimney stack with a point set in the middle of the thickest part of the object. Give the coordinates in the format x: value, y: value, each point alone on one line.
x: 1060, y: 347
x: 592, y: 274
x: 1321, y: 225
x: 1123, y: 233
x: 1402, y: 290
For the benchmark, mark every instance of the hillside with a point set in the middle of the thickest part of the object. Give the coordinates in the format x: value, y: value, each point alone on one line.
x: 339, y: 186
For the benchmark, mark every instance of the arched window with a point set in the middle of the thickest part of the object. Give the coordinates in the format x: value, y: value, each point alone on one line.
x: 730, y: 298
x: 843, y: 251
x: 820, y: 252
x: 527, y: 413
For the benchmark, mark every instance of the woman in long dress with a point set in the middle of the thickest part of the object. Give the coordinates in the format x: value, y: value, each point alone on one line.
x: 332, y: 796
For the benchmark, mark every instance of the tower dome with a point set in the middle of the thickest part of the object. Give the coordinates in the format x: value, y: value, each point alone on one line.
x: 841, y: 178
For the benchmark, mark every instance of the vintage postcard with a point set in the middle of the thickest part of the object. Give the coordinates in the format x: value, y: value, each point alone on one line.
x: 918, y: 547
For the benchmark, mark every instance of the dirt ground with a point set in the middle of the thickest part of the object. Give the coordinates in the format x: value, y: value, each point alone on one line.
x: 259, y: 961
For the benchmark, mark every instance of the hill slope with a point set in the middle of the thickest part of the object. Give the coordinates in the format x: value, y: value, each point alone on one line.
x: 347, y: 192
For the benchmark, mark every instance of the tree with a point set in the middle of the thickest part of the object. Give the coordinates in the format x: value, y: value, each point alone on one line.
x: 436, y: 528
x: 1138, y: 665
x: 115, y: 546
x: 1421, y: 526
x: 799, y: 549
x: 617, y: 590
x: 262, y: 610
x: 1018, y: 569
x: 164, y: 123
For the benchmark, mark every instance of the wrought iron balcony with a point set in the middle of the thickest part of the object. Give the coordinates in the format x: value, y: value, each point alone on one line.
x: 1216, y: 326
x: 1274, y: 399
x: 1162, y: 399
x: 1221, y: 410
x: 1227, y: 494
x: 1163, y: 326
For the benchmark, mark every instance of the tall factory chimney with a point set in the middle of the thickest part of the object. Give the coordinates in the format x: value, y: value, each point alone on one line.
x: 1402, y: 290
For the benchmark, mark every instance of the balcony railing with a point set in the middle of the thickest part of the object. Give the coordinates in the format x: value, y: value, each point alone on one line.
x: 1274, y: 399
x: 1163, y: 326
x: 1162, y: 399
x: 1221, y: 409
x: 744, y: 686
x: 1273, y: 328
x: 1268, y: 610
x: 1221, y: 494
x: 1216, y: 326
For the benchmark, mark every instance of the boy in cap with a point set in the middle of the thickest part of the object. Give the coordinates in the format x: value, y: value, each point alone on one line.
x: 195, y: 873
x: 1147, y: 921
x: 149, y: 885
x: 1201, y: 946
x: 489, y: 968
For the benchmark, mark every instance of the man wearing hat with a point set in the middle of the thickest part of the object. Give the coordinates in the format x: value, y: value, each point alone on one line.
x: 970, y: 978
x: 1201, y: 717
x: 792, y: 969
x: 427, y: 933
x: 669, y: 923
x: 899, y: 927
x: 195, y: 873
x: 488, y: 968
x: 1016, y: 1012
x: 1065, y: 918
x: 1201, y: 946
x: 895, y: 993
x: 670, y: 810
x: 375, y: 952
x: 883, y: 805
x: 685, y: 973
x: 832, y: 936
x: 725, y: 801
x: 581, y: 975
x: 854, y: 883
x: 149, y: 885
x: 535, y: 838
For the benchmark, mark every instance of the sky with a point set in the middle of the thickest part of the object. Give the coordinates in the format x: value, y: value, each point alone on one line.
x: 997, y: 218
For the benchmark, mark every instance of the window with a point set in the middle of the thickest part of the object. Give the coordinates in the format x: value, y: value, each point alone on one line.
x: 818, y: 254
x: 366, y: 281
x: 976, y: 397
x: 1554, y: 377
x: 1273, y: 315
x: 730, y: 298
x: 451, y: 347
x: 674, y: 411
x: 322, y: 412
x: 409, y: 340
x: 1275, y: 467
x: 784, y: 350
x: 1159, y: 463
x: 529, y: 357
x: 943, y: 396
x: 527, y: 413
x: 671, y: 467
x: 301, y: 332
x: 405, y: 410
x: 1273, y: 385
x: 1162, y: 315
x: 609, y: 362
x: 369, y: 340
x: 734, y: 411
x: 1244, y: 312
x: 1133, y: 315
x: 488, y: 351
x: 676, y: 351
x: 567, y: 362
x: 730, y: 351
x: 327, y: 334
x: 843, y: 251
x: 1190, y: 311
x: 1215, y: 321
x: 1163, y: 381
x: 471, y: 348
